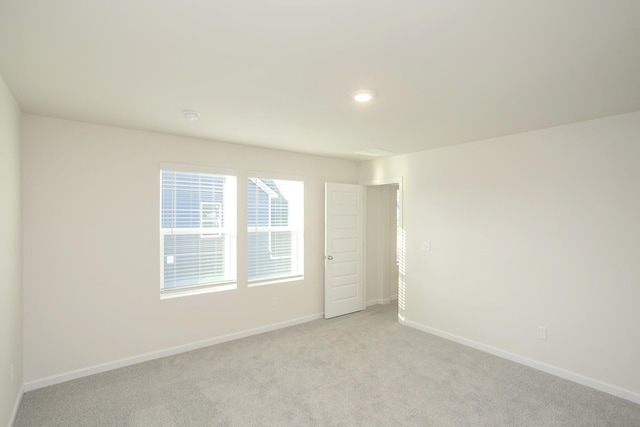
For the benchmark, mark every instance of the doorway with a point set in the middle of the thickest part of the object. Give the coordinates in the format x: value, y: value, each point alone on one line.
x: 384, y: 284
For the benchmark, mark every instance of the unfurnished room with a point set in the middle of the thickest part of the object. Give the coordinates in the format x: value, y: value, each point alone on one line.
x: 319, y: 213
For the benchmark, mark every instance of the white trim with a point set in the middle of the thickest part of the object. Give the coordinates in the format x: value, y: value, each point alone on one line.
x: 83, y: 372
x: 16, y: 406
x: 378, y: 301
x: 541, y: 366
x: 229, y: 211
x: 292, y: 190
x: 196, y: 290
x: 177, y: 167
x: 274, y: 175
x: 384, y: 181
x: 365, y: 213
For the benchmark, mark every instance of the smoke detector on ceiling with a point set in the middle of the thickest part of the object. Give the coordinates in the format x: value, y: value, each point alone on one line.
x: 191, y: 116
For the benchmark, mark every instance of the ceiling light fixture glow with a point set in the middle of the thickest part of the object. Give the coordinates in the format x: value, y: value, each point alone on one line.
x: 191, y: 116
x: 363, y: 95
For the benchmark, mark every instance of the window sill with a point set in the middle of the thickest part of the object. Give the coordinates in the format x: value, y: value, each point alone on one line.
x: 169, y: 294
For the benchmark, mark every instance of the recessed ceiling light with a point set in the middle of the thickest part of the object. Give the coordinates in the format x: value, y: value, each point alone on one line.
x: 192, y: 116
x: 363, y: 95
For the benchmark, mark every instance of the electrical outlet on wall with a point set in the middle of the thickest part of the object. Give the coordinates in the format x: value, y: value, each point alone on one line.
x: 542, y: 332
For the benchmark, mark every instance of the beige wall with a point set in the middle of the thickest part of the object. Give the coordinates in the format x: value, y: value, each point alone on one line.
x: 532, y: 229
x: 91, y: 245
x: 10, y: 256
x: 535, y: 229
x: 382, y: 277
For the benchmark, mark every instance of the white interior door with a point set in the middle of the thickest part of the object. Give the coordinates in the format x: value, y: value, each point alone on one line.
x: 344, y: 249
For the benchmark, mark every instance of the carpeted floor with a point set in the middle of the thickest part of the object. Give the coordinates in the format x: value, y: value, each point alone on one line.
x: 363, y: 369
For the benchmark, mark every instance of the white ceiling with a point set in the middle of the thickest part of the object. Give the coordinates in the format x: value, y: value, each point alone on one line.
x: 278, y: 73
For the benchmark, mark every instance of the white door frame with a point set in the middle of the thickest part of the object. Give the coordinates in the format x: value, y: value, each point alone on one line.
x: 401, y: 241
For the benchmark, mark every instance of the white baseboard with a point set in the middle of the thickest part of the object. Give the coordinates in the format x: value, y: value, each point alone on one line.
x: 382, y: 300
x: 541, y: 366
x: 377, y: 301
x: 79, y: 373
x: 16, y: 406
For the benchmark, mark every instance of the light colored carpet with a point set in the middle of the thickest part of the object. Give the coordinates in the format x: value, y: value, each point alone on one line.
x: 363, y: 369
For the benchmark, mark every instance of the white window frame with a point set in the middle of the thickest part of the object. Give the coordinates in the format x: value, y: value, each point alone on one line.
x: 270, y: 228
x: 230, y: 229
x: 296, y: 226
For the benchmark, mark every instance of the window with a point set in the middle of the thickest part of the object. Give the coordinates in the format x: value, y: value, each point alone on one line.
x: 275, y: 218
x: 197, y: 229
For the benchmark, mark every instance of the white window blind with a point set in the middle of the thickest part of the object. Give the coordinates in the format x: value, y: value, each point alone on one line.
x: 275, y: 219
x: 197, y: 230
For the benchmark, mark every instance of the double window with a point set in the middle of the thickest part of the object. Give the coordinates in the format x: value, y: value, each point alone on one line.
x: 198, y: 229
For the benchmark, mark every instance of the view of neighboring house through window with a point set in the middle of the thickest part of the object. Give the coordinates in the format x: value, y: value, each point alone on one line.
x: 198, y: 229
x: 275, y: 219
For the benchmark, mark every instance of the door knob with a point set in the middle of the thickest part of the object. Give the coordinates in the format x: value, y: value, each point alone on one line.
x: 329, y: 257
